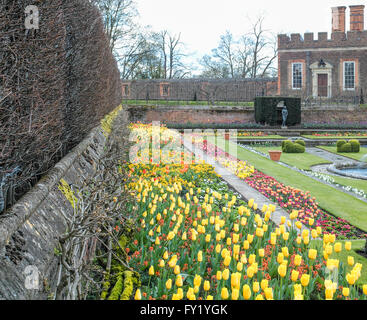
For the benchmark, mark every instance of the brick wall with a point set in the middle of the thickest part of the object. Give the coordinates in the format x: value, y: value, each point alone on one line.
x: 199, y: 89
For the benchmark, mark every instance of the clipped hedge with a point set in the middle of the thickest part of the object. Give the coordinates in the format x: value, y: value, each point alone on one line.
x: 352, y: 146
x: 290, y: 147
x: 266, y: 111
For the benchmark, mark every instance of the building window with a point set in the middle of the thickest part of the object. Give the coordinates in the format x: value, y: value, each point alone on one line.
x: 349, y: 75
x: 297, y: 76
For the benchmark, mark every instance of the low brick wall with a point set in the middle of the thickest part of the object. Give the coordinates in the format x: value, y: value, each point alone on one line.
x: 30, y: 230
x: 224, y: 115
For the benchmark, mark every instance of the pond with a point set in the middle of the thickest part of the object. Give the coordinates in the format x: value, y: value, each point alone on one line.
x: 355, y: 171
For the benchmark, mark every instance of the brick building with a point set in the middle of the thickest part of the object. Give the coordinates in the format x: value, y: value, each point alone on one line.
x: 325, y: 67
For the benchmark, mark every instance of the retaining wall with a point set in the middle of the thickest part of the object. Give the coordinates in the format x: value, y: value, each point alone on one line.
x: 224, y: 115
x: 29, y: 231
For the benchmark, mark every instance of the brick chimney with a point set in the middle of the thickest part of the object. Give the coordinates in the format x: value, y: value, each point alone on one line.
x: 357, y: 18
x: 338, y: 19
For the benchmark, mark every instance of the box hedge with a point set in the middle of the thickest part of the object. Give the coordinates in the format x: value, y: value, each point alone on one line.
x: 290, y: 147
x: 267, y: 112
x: 353, y: 146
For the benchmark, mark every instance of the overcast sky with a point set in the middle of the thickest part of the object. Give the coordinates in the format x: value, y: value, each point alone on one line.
x: 201, y: 22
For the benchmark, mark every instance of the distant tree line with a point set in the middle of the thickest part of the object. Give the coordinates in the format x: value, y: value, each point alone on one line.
x: 146, y: 54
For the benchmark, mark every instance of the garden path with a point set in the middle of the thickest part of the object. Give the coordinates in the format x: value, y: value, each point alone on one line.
x: 241, y: 186
x: 330, y: 156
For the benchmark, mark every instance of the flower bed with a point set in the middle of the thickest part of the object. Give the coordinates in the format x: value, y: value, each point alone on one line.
x: 195, y: 239
x: 290, y: 199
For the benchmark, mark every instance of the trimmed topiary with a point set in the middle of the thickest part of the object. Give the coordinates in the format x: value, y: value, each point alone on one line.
x: 356, y: 146
x: 346, y: 148
x: 290, y: 147
x: 286, y: 146
x: 301, y: 142
x: 339, y: 145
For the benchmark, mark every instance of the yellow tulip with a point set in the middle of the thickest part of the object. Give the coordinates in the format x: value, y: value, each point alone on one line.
x: 285, y: 251
x: 209, y: 297
x: 219, y: 275
x: 261, y: 253
x: 250, y: 238
x: 299, y: 225
x: 151, y: 271
x: 206, y: 285
x: 235, y: 294
x: 351, y: 278
x: 184, y: 236
x: 251, y: 203
x: 319, y: 230
x: 299, y: 240
x: 282, y: 270
x: 197, y: 280
x: 294, y: 275
x: 239, y: 266
x: 365, y: 289
x: 246, y: 245
x: 314, y: 234
x: 348, y: 245
x: 236, y: 280
x: 282, y: 220
x: 165, y: 255
x: 264, y: 284
x: 225, y: 274
x: 285, y: 236
x: 236, y: 249
x: 207, y: 238
x: 280, y: 257
x: 311, y: 222
x: 255, y: 287
x: 298, y: 296
x: 306, y: 240
x: 224, y: 293
x: 350, y: 260
x: 169, y: 284
x: 250, y: 272
x: 246, y: 292
x: 161, y: 263
x: 227, y: 260
x: 200, y: 256
x: 312, y: 254
x: 345, y: 292
x: 305, y: 279
x: 259, y: 297
x: 268, y: 293
x: 177, y: 270
x: 229, y: 241
x: 329, y: 294
x: 329, y: 249
x: 179, y: 282
x: 337, y: 247
x: 252, y: 258
x: 137, y: 295
x: 259, y: 232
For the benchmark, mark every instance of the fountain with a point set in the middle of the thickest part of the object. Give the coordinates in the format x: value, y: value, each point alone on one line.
x: 352, y: 169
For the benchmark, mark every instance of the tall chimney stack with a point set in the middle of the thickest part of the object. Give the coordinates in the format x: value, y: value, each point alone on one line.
x: 357, y: 18
x: 338, y: 24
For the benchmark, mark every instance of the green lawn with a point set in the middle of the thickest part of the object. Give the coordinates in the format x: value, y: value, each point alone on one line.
x: 187, y: 103
x: 261, y: 138
x: 343, y: 257
x: 336, y: 202
x: 302, y: 161
x: 355, y: 156
x: 333, y: 137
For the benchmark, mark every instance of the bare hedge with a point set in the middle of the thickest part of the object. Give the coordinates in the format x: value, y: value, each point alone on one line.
x: 56, y: 84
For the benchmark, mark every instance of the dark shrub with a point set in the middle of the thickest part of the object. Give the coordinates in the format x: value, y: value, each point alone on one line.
x: 346, y: 148
x: 339, y: 145
x: 301, y: 142
x: 356, y: 146
x: 286, y: 145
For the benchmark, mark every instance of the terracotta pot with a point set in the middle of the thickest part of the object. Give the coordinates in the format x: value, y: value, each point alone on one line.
x: 226, y: 136
x: 275, y: 155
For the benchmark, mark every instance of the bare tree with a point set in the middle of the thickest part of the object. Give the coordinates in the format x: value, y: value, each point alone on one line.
x: 251, y: 56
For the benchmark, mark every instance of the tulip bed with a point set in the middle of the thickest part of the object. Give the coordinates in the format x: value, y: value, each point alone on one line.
x: 197, y: 240
x: 290, y: 199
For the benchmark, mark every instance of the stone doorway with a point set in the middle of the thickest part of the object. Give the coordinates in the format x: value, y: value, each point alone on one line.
x: 321, y: 79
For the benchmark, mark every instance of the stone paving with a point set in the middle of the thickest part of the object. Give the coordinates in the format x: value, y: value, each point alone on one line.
x: 241, y: 186
x: 332, y: 157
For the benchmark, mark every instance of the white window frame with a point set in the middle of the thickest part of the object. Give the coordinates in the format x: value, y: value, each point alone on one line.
x: 294, y: 63
x: 354, y: 74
